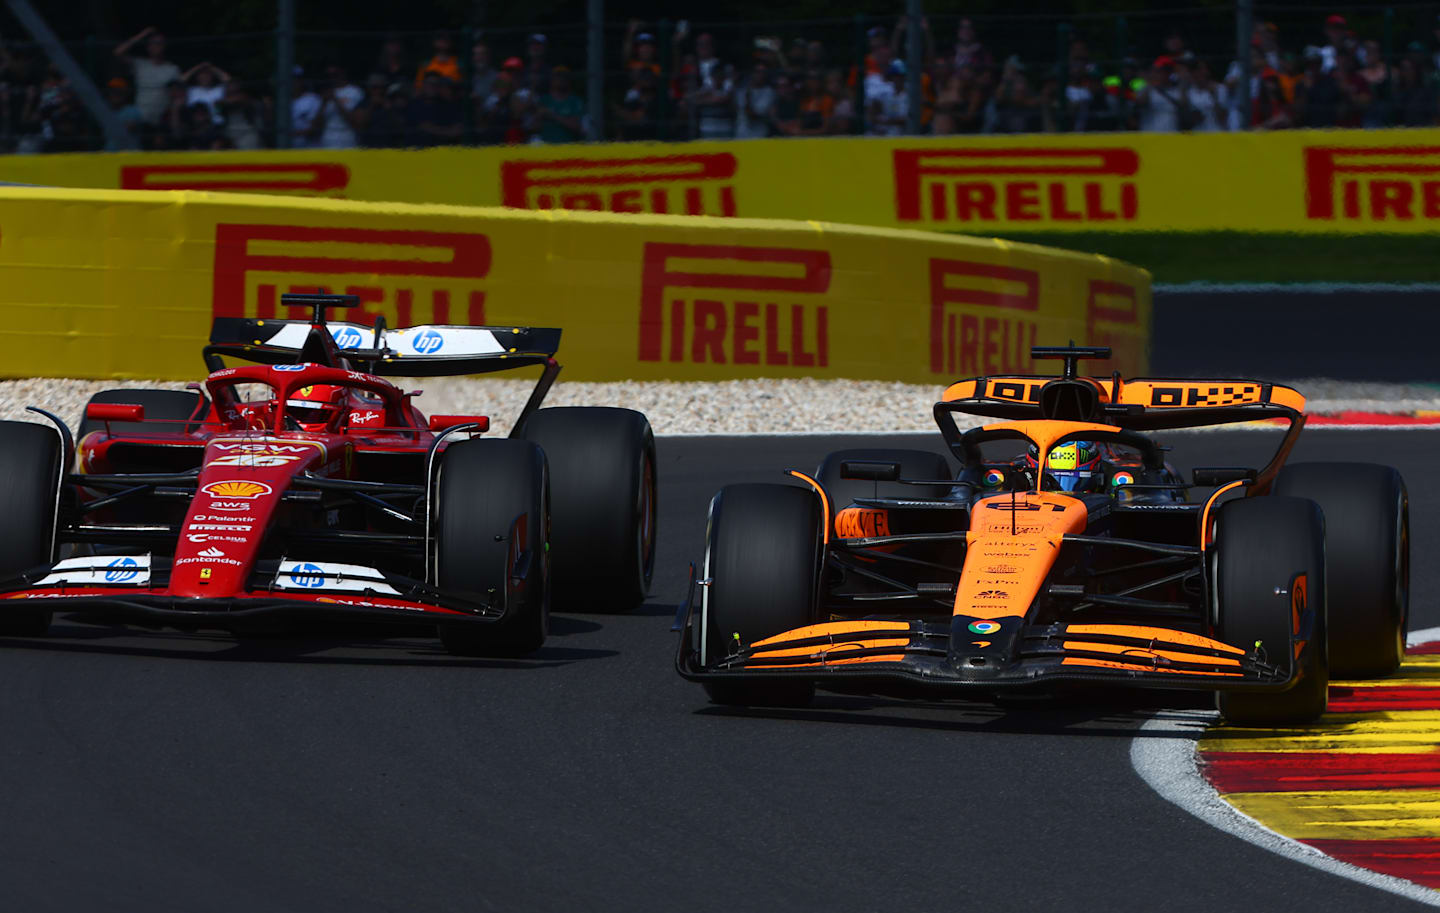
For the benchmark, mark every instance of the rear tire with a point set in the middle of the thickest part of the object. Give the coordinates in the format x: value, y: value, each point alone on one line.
x: 481, y: 487
x: 1367, y: 551
x: 914, y: 464
x: 30, y: 458
x: 1263, y: 546
x: 603, y: 490
x: 179, y: 405
x: 762, y: 556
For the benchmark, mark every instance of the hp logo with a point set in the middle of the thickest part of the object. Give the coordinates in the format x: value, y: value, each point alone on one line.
x: 429, y: 342
x: 122, y: 570
x: 307, y: 575
x: 347, y: 338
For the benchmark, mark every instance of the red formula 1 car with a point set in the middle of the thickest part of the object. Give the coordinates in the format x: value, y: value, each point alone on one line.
x: 307, y: 484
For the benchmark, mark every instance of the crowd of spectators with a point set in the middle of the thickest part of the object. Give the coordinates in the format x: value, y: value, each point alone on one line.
x: 511, y: 91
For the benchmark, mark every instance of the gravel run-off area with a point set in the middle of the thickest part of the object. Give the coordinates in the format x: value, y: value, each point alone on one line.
x: 728, y: 407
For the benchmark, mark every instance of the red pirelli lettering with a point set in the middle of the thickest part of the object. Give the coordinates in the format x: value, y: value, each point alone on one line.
x: 1008, y: 184
x: 954, y: 346
x: 295, y: 177
x: 695, y: 184
x: 1398, y: 183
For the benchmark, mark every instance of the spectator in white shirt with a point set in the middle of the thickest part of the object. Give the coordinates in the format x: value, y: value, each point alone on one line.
x: 206, y: 87
x: 1208, y: 99
x: 153, y: 73
x: 753, y: 102
x: 304, y: 109
x: 1159, y: 102
x: 341, y: 119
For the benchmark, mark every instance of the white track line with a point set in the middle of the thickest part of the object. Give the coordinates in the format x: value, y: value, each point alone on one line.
x: 1170, y: 768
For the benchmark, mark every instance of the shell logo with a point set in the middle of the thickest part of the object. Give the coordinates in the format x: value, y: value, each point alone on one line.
x: 237, y: 489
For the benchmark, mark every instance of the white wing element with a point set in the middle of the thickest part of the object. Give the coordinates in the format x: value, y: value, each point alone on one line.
x: 328, y: 576
x: 101, y: 570
x: 421, y: 340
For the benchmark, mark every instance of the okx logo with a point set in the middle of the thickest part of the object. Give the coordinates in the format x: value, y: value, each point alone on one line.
x: 734, y: 304
x: 410, y: 276
x: 1377, y: 183
x: 695, y: 184
x: 989, y: 186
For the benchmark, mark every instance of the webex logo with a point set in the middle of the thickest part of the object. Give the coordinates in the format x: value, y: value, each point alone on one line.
x: 736, y: 304
x: 1016, y: 185
x: 326, y: 178
x: 410, y: 276
x: 1378, y: 183
x: 697, y: 184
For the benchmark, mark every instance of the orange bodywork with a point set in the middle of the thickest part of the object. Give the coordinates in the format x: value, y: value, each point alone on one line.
x: 1152, y: 394
x: 1142, y: 667
x: 1166, y: 635
x: 846, y: 636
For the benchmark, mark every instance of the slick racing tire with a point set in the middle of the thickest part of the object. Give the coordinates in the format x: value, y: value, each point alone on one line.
x: 1367, y: 550
x: 490, y: 543
x: 30, y: 464
x: 1268, y: 564
x: 762, y: 557
x: 914, y: 464
x: 178, y: 405
x: 603, y: 498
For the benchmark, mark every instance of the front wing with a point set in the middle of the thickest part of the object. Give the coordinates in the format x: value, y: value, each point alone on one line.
x: 933, y: 654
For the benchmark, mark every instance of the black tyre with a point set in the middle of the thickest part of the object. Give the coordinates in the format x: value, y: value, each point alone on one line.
x: 1367, y: 550
x: 762, y: 556
x: 481, y: 489
x: 603, y: 499
x: 30, y: 458
x: 914, y: 464
x: 1269, y: 562
x: 179, y: 405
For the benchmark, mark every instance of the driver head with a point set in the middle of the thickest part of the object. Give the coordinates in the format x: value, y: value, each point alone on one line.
x: 314, y: 408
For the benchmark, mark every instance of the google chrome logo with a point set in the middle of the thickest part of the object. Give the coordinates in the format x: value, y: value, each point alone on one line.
x: 984, y: 627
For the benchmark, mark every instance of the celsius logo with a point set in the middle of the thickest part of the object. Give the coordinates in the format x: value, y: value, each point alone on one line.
x: 308, y: 575
x: 347, y: 338
x: 429, y: 342
x: 122, y: 570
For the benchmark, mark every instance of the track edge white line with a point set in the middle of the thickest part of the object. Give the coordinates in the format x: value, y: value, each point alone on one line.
x: 1169, y: 766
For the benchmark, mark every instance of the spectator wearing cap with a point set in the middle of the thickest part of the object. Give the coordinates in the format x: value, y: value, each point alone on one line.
x: 443, y: 63
x: 117, y: 96
x: 153, y: 73
x: 1337, y: 39
x: 434, y: 115
x: 503, y: 113
x: 304, y: 109
x: 1161, y: 104
x: 889, y: 110
x: 482, y: 72
x: 638, y: 49
x: 561, y: 110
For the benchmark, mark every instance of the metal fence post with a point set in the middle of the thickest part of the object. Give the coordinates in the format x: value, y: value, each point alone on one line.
x: 1244, y: 27
x: 914, y: 63
x: 284, y: 70
x: 595, y: 66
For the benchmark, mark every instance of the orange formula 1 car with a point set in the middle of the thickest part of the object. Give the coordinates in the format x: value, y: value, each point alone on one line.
x: 1064, y: 551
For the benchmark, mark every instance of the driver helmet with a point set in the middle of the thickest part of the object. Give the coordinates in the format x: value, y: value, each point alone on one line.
x: 1073, y: 466
x: 313, y: 407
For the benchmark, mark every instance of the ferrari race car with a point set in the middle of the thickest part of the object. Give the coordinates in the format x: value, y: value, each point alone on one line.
x: 306, y: 485
x: 1065, y: 551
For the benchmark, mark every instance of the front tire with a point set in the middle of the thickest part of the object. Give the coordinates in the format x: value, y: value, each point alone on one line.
x: 762, y: 557
x: 1269, y: 569
x: 490, y: 543
x: 1367, y: 550
x: 30, y: 458
x: 603, y: 485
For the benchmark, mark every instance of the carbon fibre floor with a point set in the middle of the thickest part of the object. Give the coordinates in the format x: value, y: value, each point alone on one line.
x: 171, y: 772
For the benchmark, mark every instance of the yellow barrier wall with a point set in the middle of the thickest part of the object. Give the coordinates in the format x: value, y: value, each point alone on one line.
x: 1294, y: 180
x: 124, y: 284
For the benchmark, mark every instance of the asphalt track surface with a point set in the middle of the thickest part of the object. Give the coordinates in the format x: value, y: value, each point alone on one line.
x: 161, y: 771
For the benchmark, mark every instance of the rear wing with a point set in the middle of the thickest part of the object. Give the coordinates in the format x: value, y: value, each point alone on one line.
x: 419, y: 351
x: 1143, y: 404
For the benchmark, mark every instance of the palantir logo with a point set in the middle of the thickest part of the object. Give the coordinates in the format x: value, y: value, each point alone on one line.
x: 122, y: 570
x: 429, y: 342
x: 348, y: 338
x: 308, y: 575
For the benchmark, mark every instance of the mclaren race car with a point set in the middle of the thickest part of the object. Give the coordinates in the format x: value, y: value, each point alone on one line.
x: 1065, y: 551
x: 306, y: 484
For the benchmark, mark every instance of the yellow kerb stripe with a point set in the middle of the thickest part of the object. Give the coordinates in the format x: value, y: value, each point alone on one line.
x: 1345, y: 814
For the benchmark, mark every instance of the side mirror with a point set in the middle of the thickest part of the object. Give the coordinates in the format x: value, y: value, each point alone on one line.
x: 446, y: 422
x: 114, y: 412
x: 868, y: 471
x: 1223, y: 475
